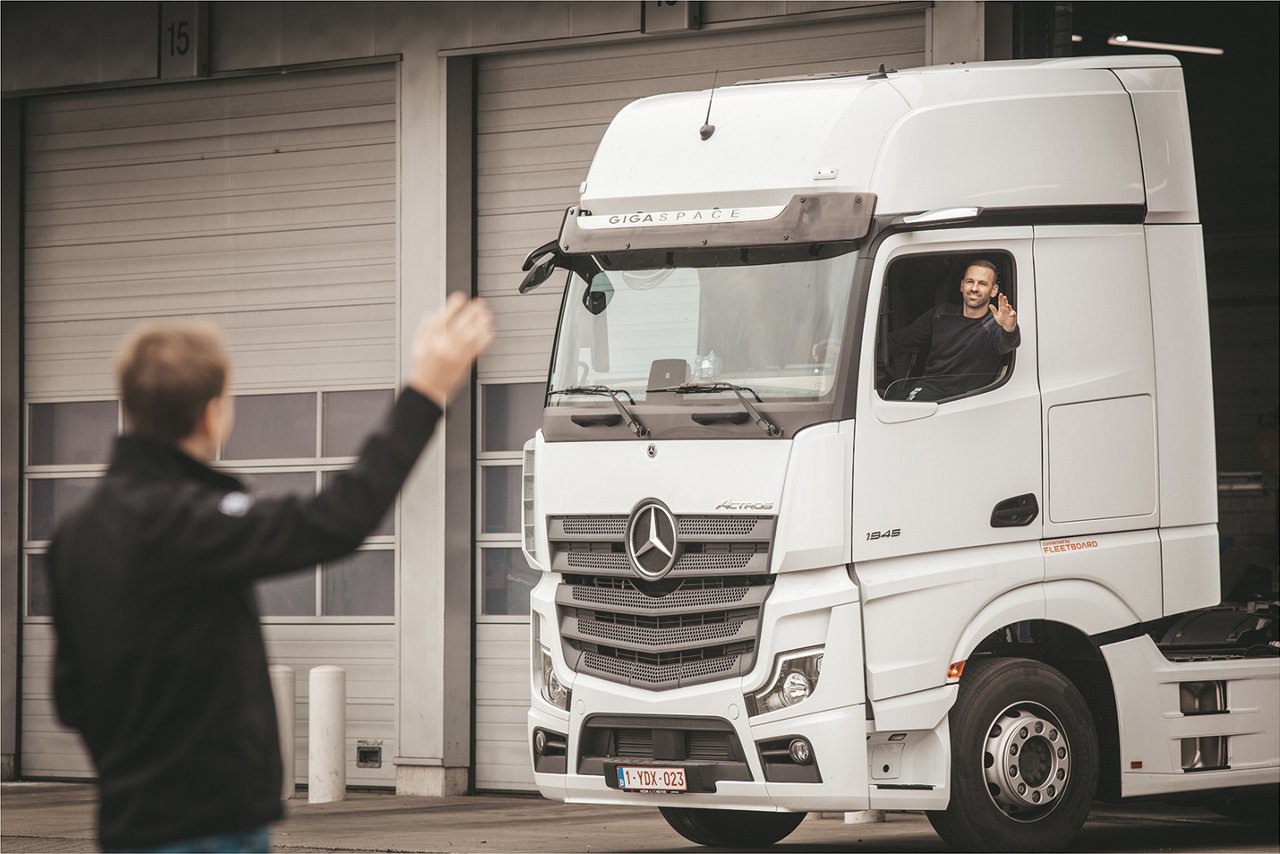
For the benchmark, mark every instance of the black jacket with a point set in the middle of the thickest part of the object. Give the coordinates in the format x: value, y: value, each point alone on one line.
x: 160, y: 660
x: 958, y: 345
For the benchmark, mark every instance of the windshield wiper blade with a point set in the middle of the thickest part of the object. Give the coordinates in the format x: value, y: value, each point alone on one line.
x: 707, y: 388
x: 633, y: 425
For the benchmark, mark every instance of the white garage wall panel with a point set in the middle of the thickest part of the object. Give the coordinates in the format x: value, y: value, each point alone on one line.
x: 266, y: 205
x: 539, y: 117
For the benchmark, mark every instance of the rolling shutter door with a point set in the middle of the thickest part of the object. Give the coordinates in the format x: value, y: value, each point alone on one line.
x: 540, y: 116
x: 266, y: 205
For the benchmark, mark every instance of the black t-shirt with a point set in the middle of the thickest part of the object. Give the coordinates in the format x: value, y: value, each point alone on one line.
x: 967, y: 350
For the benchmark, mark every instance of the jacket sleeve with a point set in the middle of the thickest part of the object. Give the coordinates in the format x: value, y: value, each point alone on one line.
x: 206, y: 535
x: 1004, y: 342
x: 914, y: 335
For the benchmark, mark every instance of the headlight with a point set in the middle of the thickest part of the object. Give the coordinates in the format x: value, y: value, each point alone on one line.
x: 552, y: 691
x: 544, y: 677
x: 795, y: 676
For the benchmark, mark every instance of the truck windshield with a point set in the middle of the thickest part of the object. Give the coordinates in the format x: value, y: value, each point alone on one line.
x: 775, y: 328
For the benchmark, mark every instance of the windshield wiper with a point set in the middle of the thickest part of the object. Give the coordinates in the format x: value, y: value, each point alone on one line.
x: 707, y: 388
x: 633, y: 425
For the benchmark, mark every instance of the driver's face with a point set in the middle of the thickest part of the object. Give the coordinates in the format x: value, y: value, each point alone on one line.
x: 978, y: 287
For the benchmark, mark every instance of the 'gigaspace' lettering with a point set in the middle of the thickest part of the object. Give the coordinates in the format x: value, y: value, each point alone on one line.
x: 676, y: 217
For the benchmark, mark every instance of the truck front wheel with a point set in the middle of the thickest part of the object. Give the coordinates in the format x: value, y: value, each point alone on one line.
x: 1024, y: 759
x: 731, y: 828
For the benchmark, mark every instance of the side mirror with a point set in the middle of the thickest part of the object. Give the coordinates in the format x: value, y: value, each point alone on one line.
x: 541, y: 262
x: 551, y: 247
x: 538, y: 275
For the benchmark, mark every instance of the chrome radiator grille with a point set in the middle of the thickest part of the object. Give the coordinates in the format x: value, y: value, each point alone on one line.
x: 699, y: 623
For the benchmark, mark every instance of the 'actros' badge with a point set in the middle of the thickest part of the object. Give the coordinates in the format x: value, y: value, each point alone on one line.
x: 651, y: 541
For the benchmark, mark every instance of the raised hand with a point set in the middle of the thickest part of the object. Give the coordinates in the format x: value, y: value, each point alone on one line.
x: 446, y: 344
x: 1005, y: 315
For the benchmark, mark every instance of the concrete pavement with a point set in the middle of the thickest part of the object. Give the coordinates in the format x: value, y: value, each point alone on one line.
x: 38, y: 817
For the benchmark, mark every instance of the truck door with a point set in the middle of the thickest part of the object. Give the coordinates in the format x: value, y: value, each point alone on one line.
x: 947, y: 490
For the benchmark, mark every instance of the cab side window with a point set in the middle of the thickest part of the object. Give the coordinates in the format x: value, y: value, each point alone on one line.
x: 947, y: 326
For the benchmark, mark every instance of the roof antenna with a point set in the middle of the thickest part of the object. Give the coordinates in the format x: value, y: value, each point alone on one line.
x: 707, y: 128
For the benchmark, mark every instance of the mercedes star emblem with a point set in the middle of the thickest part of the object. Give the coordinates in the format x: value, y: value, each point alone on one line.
x: 651, y: 541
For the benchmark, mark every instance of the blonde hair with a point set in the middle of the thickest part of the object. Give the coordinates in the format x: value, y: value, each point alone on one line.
x: 167, y: 373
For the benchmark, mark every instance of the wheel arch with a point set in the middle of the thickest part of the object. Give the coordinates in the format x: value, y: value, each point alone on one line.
x: 1086, y: 606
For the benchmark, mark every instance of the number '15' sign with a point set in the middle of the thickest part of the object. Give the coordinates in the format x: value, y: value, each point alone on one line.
x: 184, y: 37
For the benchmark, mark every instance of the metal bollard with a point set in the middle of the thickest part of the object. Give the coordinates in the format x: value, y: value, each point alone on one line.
x: 327, y: 732
x: 285, y: 690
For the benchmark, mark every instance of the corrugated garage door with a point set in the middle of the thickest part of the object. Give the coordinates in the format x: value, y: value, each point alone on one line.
x: 539, y: 118
x: 266, y: 205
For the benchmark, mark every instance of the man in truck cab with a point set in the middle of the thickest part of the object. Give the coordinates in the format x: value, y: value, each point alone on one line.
x: 967, y: 344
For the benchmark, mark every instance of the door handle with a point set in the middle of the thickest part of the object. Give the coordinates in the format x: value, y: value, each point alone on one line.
x: 1015, y: 512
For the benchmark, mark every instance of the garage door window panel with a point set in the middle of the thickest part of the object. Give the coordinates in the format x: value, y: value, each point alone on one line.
x: 362, y: 585
x: 39, y: 586
x: 501, y: 487
x: 506, y: 582
x: 76, y: 433
x: 512, y: 414
x: 292, y: 595
x: 273, y: 427
x: 50, y: 500
x: 348, y: 416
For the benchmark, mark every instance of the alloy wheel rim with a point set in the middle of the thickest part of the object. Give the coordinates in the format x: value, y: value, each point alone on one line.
x: 1026, y: 761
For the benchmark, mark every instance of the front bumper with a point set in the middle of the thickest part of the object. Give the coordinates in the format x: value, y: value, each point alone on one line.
x: 806, y: 610
x: 839, y: 743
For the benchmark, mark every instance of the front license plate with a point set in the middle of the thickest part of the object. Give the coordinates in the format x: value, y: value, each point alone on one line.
x: 651, y: 779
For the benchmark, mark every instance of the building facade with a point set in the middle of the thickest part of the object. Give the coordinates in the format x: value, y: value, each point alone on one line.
x: 313, y: 177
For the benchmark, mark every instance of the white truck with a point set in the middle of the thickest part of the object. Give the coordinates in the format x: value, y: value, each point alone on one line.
x: 785, y: 568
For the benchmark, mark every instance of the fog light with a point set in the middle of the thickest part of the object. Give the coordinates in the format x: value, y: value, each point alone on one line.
x: 801, y: 752
x: 539, y: 742
x: 795, y: 677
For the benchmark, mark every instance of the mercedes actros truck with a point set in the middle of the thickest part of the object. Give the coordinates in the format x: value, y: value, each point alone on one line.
x: 796, y: 557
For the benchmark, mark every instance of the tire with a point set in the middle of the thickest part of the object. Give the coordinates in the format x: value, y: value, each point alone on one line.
x: 731, y: 828
x: 1057, y: 755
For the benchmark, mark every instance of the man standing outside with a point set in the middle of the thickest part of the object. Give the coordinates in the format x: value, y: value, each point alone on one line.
x: 160, y: 661
x: 966, y: 343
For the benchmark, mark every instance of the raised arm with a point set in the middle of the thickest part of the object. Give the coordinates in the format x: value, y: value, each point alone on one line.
x: 218, y: 540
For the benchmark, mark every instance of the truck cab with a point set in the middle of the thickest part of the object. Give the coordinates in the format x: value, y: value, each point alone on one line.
x: 796, y: 557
